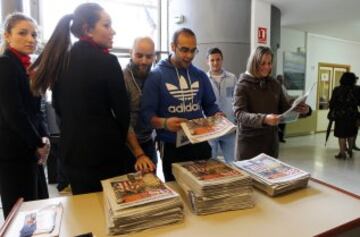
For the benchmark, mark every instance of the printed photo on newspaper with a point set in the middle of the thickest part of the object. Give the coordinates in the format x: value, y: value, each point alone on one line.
x: 42, y: 222
x: 136, y: 188
x: 204, y: 129
x: 209, y: 170
x: 291, y: 115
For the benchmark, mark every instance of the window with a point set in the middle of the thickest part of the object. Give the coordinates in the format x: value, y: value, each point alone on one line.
x: 26, y: 7
x: 130, y: 18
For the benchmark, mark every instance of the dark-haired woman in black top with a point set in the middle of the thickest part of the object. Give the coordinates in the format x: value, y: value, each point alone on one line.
x: 24, y: 145
x: 343, y: 105
x: 90, y: 97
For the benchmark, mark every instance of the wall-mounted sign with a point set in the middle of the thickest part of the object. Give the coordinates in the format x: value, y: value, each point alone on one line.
x: 325, y: 77
x: 262, y: 35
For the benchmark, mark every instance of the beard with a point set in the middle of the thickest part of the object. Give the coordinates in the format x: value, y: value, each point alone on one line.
x: 141, y: 71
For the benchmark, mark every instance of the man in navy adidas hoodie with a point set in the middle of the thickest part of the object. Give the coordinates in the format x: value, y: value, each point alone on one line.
x: 176, y: 91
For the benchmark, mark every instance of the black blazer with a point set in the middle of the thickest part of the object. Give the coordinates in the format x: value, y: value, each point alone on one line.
x: 21, y: 120
x: 91, y: 101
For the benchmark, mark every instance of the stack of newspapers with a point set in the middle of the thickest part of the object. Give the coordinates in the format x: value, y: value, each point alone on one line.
x: 137, y: 201
x: 212, y: 186
x: 273, y: 176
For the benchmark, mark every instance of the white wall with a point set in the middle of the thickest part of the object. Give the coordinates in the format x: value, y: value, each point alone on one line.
x: 319, y: 49
x: 291, y: 41
x: 260, y: 17
x: 330, y: 50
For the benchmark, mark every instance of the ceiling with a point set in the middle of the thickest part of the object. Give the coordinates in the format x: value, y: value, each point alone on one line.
x: 335, y: 18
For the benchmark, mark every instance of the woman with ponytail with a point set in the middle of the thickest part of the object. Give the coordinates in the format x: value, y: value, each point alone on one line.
x: 24, y: 143
x: 89, y: 96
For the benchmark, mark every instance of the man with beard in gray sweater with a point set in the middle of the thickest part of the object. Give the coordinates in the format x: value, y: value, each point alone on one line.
x: 140, y: 138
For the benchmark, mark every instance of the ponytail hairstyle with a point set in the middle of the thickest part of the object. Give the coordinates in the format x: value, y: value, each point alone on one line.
x: 254, y: 61
x: 54, y: 59
x: 9, y: 23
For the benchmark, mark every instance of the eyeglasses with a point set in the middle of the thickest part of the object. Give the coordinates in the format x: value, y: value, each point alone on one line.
x: 188, y: 50
x: 147, y: 56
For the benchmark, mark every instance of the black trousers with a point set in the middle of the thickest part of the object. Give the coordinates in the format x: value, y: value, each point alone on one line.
x: 87, y: 179
x: 171, y: 154
x: 25, y: 180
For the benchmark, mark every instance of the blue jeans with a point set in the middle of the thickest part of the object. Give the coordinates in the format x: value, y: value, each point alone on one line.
x: 227, y: 145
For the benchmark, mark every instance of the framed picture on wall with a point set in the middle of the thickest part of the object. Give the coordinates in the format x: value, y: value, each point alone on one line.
x: 294, y: 70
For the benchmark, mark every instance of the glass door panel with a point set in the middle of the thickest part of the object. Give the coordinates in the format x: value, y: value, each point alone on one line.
x: 324, y: 85
x: 337, y: 75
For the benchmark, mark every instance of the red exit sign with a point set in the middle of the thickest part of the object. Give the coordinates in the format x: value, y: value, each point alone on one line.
x: 262, y: 35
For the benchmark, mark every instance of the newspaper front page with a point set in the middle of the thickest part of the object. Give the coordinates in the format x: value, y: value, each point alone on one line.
x: 42, y: 222
x: 204, y: 129
x: 135, y: 189
x: 209, y: 170
x: 270, y: 170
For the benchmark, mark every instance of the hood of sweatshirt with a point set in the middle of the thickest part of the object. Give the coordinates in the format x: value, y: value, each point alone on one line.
x: 261, y: 83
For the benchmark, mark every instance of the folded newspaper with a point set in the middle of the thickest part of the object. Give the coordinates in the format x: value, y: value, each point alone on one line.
x: 204, y: 129
x: 137, y: 201
x: 212, y: 186
x: 273, y: 176
x: 42, y: 222
x: 291, y: 115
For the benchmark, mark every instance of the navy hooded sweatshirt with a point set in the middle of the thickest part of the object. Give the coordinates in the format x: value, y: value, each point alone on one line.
x: 176, y: 92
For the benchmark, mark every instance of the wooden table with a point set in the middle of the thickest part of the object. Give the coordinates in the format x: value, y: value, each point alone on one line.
x: 306, y: 212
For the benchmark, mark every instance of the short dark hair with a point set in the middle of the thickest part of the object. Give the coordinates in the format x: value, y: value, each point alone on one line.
x: 180, y: 31
x: 214, y: 51
x: 348, y: 78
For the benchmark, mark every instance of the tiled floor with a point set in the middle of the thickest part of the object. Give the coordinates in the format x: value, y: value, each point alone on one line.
x: 310, y: 154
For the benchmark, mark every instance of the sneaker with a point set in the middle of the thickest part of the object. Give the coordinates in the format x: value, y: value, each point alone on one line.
x: 66, y: 190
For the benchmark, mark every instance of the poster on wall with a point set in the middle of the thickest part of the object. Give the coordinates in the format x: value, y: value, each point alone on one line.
x: 294, y: 70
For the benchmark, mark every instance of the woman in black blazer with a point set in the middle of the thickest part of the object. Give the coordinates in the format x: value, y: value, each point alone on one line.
x: 90, y: 97
x: 22, y: 131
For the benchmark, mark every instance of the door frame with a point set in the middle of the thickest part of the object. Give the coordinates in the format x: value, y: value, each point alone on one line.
x: 332, y: 65
x: 321, y: 114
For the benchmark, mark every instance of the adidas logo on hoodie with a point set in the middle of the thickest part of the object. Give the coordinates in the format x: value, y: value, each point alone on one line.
x: 184, y: 94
